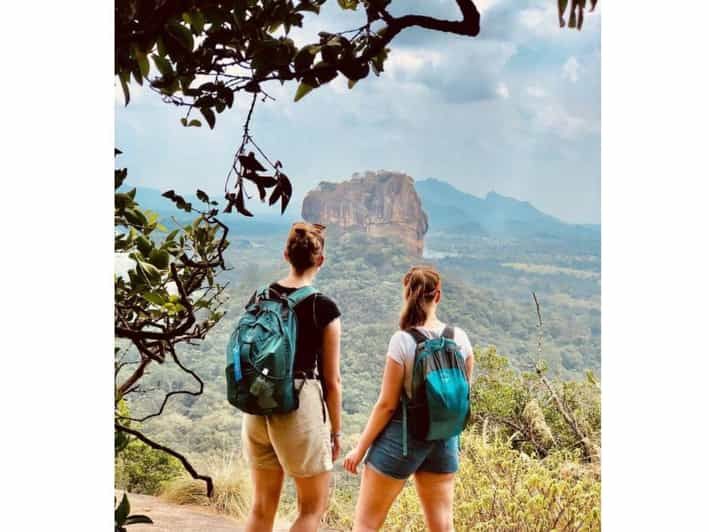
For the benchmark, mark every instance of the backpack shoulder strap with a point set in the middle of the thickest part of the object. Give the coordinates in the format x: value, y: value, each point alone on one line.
x: 300, y: 294
x: 263, y: 293
x: 418, y: 336
x: 448, y: 332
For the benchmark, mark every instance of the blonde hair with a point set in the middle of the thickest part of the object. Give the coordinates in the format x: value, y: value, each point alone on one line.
x: 421, y: 284
x: 305, y: 245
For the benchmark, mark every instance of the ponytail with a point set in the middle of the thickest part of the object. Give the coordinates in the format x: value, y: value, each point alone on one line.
x: 421, y: 283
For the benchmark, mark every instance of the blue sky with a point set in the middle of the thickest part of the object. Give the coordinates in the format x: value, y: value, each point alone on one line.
x: 515, y: 110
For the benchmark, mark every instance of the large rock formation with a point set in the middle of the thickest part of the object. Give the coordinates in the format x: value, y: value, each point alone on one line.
x: 380, y: 203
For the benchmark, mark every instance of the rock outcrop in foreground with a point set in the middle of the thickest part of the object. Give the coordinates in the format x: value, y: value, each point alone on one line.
x: 379, y: 203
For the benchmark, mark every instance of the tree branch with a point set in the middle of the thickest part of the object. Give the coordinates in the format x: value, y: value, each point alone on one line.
x: 174, y: 392
x: 185, y: 463
x: 135, y: 377
x: 590, y: 451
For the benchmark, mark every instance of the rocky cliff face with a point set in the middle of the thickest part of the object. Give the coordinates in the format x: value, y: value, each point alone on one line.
x: 379, y: 203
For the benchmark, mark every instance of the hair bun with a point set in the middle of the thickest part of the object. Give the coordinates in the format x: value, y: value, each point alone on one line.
x: 304, y: 246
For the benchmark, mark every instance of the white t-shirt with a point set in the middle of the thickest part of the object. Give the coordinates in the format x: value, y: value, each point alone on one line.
x: 402, y: 349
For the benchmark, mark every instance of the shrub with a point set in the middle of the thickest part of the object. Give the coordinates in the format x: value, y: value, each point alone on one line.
x: 142, y: 469
x: 499, y: 489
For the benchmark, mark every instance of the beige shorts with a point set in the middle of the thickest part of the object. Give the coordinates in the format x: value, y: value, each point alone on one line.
x: 297, y: 442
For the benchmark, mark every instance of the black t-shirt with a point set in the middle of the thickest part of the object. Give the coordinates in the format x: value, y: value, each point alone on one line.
x: 314, y: 313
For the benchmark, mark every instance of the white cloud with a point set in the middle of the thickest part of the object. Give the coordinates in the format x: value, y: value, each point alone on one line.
x: 541, y: 21
x: 571, y: 69
x: 531, y: 18
x: 461, y: 72
x: 536, y: 91
x: 502, y: 91
x: 561, y: 122
x: 137, y: 92
x: 483, y: 5
x: 339, y: 85
x: 411, y: 61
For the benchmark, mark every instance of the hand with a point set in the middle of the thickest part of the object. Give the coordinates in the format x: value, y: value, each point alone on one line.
x: 352, y: 460
x: 336, y: 447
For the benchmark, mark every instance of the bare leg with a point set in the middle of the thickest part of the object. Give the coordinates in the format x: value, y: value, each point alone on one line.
x: 267, y: 485
x: 377, y: 493
x: 312, y: 501
x: 435, y: 490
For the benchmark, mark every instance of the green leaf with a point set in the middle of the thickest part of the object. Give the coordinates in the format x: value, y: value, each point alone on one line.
x: 159, y: 258
x: 163, y: 65
x: 126, y: 92
x: 155, y: 299
x: 182, y: 35
x: 120, y: 176
x: 183, y: 121
x: 348, y: 4
x: 135, y: 217
x: 208, y: 115
x: 145, y: 246
x: 304, y: 6
x: 303, y: 89
x: 197, y: 21
x: 152, y: 217
x: 122, y: 511
x: 202, y: 196
x: 143, y: 63
x: 351, y: 83
x: 324, y: 73
x: 162, y: 49
x: 149, y: 272
x: 195, y: 123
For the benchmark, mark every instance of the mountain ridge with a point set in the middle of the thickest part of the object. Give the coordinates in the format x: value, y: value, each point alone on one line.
x: 447, y: 208
x: 450, y: 208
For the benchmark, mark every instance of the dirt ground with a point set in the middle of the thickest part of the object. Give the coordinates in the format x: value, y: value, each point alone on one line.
x: 168, y: 517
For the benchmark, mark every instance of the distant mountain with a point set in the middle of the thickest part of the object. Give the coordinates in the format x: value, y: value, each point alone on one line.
x: 495, y: 215
x: 380, y: 204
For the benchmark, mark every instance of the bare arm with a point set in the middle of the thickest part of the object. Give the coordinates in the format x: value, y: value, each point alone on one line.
x: 386, y: 404
x: 469, y: 363
x: 331, y: 375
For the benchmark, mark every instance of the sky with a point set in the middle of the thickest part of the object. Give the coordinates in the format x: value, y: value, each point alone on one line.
x: 516, y: 110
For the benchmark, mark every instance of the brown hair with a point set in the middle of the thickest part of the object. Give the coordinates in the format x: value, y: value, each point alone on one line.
x: 421, y: 283
x: 305, y: 244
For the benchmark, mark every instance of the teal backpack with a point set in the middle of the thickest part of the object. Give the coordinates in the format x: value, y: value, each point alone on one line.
x: 440, y: 404
x: 260, y: 354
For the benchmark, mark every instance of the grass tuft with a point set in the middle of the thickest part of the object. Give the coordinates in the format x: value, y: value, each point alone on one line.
x: 232, y: 488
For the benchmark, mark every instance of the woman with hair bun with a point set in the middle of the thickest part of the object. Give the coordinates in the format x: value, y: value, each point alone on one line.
x: 391, y: 455
x: 305, y: 442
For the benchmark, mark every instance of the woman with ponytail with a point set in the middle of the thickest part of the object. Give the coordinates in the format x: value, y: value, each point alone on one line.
x: 432, y: 463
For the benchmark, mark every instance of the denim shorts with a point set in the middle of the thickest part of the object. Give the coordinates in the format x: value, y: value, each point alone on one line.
x: 386, y: 455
